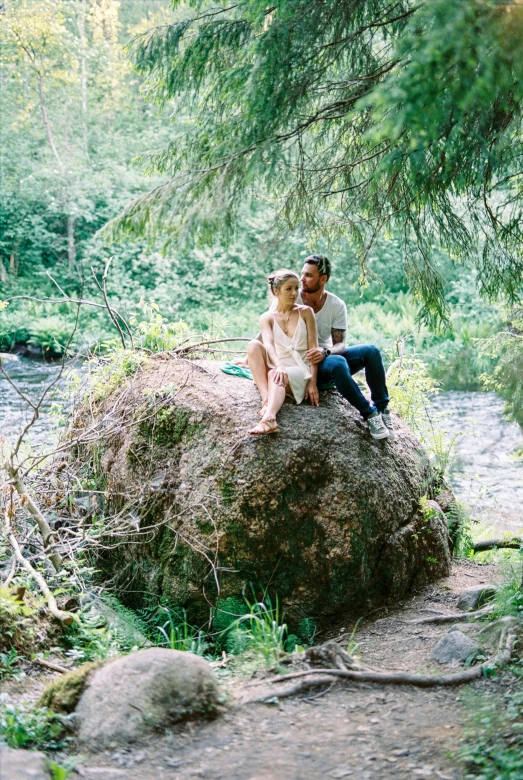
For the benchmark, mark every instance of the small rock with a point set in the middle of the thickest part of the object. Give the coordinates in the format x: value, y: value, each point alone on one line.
x: 136, y: 693
x: 454, y: 646
x: 22, y: 764
x: 342, y: 771
x: 474, y: 598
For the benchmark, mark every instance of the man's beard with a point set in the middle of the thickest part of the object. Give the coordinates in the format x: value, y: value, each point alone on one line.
x: 310, y: 290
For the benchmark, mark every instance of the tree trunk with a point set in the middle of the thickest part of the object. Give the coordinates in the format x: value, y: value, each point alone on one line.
x: 83, y: 70
x: 13, y: 264
x: 71, y: 247
x: 3, y: 272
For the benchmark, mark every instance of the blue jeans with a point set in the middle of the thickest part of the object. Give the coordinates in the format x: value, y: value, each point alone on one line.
x: 339, y: 369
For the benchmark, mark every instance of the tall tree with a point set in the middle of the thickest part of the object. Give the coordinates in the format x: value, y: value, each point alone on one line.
x: 358, y: 116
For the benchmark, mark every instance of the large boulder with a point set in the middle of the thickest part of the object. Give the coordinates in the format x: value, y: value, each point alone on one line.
x: 320, y: 514
x: 144, y: 691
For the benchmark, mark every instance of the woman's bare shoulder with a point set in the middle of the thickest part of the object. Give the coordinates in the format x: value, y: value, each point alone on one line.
x: 305, y: 311
x: 266, y: 318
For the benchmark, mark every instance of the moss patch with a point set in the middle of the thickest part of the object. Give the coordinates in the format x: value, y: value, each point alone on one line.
x: 63, y: 694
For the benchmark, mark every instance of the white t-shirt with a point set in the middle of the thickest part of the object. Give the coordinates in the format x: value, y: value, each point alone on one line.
x: 332, y: 316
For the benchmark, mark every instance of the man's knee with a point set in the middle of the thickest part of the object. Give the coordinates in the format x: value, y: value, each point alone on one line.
x: 337, y: 365
x: 372, y: 354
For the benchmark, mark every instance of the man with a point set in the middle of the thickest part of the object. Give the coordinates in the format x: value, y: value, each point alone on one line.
x: 337, y: 362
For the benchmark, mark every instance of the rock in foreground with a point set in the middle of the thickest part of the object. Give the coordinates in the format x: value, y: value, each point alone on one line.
x: 320, y: 514
x: 22, y: 765
x: 143, y: 691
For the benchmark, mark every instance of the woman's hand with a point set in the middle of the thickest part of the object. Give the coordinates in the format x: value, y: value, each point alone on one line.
x: 312, y: 393
x: 280, y: 376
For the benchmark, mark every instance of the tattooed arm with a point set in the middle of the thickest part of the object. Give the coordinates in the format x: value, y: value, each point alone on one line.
x: 338, y: 341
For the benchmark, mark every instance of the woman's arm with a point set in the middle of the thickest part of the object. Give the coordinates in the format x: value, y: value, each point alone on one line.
x: 312, y: 343
x: 266, y: 326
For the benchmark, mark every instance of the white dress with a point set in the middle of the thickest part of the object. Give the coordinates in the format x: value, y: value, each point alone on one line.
x: 291, y: 353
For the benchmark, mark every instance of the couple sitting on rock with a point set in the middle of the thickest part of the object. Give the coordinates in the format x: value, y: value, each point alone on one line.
x: 302, y: 345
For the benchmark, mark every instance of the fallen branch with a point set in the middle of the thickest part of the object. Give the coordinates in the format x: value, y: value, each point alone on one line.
x: 64, y: 617
x: 189, y: 347
x: 321, y: 676
x: 46, y: 532
x: 498, y: 544
x: 50, y: 665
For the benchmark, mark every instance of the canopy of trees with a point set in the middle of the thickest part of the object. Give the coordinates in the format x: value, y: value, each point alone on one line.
x: 358, y: 117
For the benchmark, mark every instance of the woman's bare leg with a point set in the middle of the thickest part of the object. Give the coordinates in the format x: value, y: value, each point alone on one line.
x: 276, y: 397
x: 256, y: 355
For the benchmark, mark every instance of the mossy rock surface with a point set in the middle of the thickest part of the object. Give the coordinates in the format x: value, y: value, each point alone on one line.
x: 320, y: 514
x: 63, y: 694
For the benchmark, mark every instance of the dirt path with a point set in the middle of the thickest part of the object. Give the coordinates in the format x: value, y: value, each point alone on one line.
x: 356, y: 731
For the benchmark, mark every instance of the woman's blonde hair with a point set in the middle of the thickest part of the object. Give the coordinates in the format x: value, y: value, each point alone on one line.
x: 277, y: 278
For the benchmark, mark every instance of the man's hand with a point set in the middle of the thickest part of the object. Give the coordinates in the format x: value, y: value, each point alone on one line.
x: 312, y: 393
x: 315, y: 355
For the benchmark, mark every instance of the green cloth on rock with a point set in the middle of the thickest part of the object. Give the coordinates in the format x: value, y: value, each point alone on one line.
x: 234, y: 370
x: 246, y: 373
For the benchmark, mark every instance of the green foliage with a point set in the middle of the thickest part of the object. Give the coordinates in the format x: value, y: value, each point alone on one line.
x: 9, y: 664
x: 16, y: 629
x: 155, y: 333
x: 506, y: 379
x: 410, y: 115
x: 459, y: 522
x: 166, y: 625
x: 410, y: 386
x: 94, y: 638
x: 61, y: 771
x: 108, y: 372
x: 23, y: 727
x: 493, y: 745
x: 509, y: 597
x: 257, y: 635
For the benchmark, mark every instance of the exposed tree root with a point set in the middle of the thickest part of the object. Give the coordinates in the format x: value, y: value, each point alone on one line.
x: 462, y: 617
x: 318, y: 677
x: 498, y: 544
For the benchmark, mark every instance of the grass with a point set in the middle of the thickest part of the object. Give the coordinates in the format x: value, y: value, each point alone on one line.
x: 493, y: 744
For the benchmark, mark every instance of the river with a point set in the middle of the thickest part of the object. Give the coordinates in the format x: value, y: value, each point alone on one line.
x: 485, y: 473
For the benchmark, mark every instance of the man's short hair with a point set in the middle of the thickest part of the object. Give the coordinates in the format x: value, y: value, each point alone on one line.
x: 323, y: 263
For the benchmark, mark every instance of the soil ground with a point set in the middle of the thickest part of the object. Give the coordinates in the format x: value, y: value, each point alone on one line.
x: 360, y: 731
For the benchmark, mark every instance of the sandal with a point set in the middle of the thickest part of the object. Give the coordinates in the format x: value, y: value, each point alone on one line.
x: 265, y: 427
x: 262, y: 409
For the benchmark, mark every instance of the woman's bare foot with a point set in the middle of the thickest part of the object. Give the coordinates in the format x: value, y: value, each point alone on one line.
x: 262, y: 409
x: 264, y: 427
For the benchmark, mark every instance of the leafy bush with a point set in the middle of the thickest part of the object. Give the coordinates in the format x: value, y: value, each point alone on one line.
x: 22, y: 727
x: 506, y: 348
x: 16, y: 630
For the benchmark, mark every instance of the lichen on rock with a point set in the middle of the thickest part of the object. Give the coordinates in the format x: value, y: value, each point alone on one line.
x: 320, y: 514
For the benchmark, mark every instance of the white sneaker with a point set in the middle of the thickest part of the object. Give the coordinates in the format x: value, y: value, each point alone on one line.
x: 387, y: 420
x: 377, y: 428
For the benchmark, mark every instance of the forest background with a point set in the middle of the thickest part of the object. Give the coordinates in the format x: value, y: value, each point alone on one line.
x: 76, y: 128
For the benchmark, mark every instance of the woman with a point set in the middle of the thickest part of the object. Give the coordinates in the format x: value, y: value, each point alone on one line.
x: 288, y: 330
